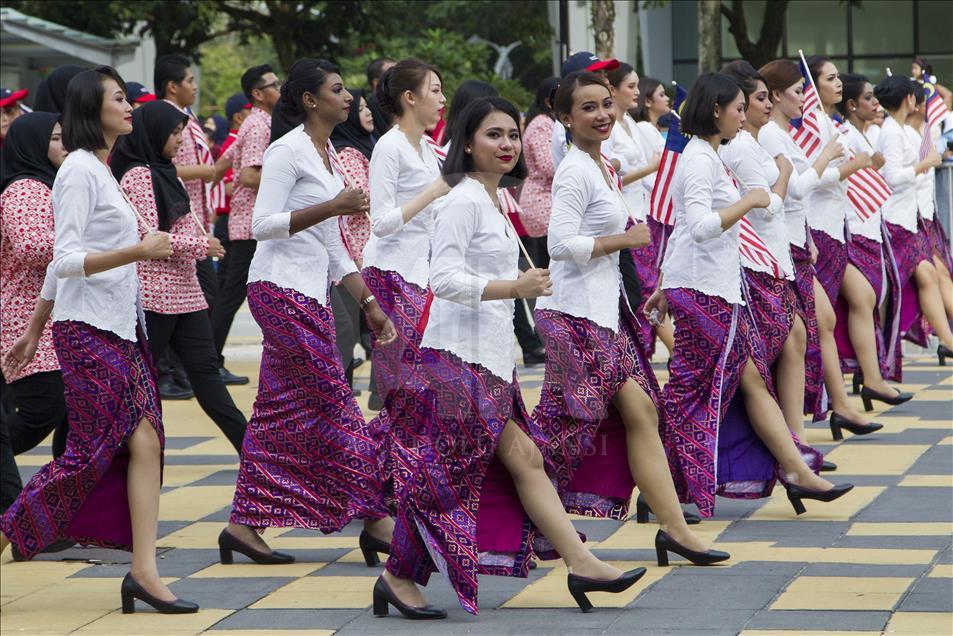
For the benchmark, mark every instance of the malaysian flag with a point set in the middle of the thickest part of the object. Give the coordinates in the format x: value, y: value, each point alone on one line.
x: 867, y: 190
x: 750, y: 243
x: 660, y: 204
x: 936, y: 108
x: 806, y: 130
x: 437, y: 150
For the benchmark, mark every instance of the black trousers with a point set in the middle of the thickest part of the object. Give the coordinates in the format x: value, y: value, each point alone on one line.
x: 33, y: 407
x: 191, y: 336
x: 221, y: 233
x: 526, y: 336
x: 232, y: 293
x: 347, y: 327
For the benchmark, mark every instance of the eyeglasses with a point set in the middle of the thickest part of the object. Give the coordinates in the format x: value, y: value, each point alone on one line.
x: 275, y: 85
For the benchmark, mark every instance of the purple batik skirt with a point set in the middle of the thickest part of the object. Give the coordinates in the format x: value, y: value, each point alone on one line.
x: 831, y: 263
x: 459, y: 513
x: 867, y: 256
x: 717, y: 450
x: 109, y: 388
x: 772, y: 304
x: 647, y: 265
x: 938, y: 240
x: 803, y: 287
x: 586, y: 365
x: 309, y: 460
x: 909, y: 250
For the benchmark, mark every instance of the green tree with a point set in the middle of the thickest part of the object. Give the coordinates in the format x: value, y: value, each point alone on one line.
x: 221, y: 76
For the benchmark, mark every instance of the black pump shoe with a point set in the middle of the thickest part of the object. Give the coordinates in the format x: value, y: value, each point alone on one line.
x: 664, y: 544
x: 370, y: 547
x: 642, y: 512
x: 838, y: 422
x: 579, y: 586
x: 797, y: 493
x: 130, y: 591
x: 228, y: 543
x: 868, y: 396
x: 942, y: 353
x: 828, y: 467
x: 858, y: 381
x: 384, y: 597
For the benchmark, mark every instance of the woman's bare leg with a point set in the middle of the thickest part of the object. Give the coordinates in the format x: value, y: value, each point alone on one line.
x: 946, y: 285
x: 928, y: 292
x: 861, y: 300
x: 790, y: 377
x: 666, y: 333
x: 649, y: 465
x: 833, y: 378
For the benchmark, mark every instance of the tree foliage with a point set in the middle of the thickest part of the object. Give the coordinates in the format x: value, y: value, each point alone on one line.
x: 768, y: 44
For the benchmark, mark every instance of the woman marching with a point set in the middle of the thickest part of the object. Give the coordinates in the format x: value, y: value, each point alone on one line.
x: 480, y: 499
x: 640, y: 165
x: 828, y: 208
x: 920, y: 289
x: 405, y: 180
x: 863, y: 346
x: 309, y: 459
x: 719, y: 400
x: 104, y: 490
x: 175, y: 307
x: 599, y: 403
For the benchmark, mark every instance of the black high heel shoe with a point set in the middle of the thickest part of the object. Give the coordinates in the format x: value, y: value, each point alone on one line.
x: 942, y: 353
x: 370, y: 547
x: 384, y: 597
x: 838, y: 422
x: 797, y: 493
x: 664, y: 544
x: 642, y: 512
x: 130, y: 591
x: 228, y: 544
x: 867, y: 396
x: 828, y: 467
x: 858, y: 381
x: 579, y: 586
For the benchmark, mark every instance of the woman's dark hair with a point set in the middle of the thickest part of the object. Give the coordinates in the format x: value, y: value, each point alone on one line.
x: 853, y: 87
x: 779, y: 75
x: 924, y: 65
x: 467, y: 93
x: 891, y: 91
x: 544, y: 92
x: 458, y: 162
x: 619, y: 73
x: 82, y: 117
x: 562, y: 102
x: 708, y: 91
x: 918, y: 93
x: 745, y: 75
x: 814, y: 65
x: 647, y: 86
x: 307, y: 75
x: 406, y: 75
x: 169, y: 68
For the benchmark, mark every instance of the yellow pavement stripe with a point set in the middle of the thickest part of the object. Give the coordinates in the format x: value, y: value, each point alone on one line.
x: 920, y: 624
x: 778, y: 508
x: 941, y: 571
x: 901, y: 529
x: 768, y: 551
x: 149, y: 622
x: 928, y: 481
x: 321, y: 592
x: 842, y: 593
x: 876, y: 459
x: 551, y: 590
x: 249, y: 570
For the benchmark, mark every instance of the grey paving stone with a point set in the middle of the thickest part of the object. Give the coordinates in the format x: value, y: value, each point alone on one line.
x: 314, y: 556
x: 199, y: 460
x: 43, y: 449
x: 221, y: 478
x: 647, y: 620
x: 912, y: 435
x: 753, y: 594
x: 945, y: 557
x: 912, y: 542
x: 935, y: 461
x: 643, y: 556
x: 827, y: 620
x: 168, y: 527
x: 189, y: 555
x: 934, y: 585
x: 786, y: 533
x: 493, y: 621
x: 864, y: 570
x: 181, y: 443
x: 288, y: 619
x: 221, y: 515
x: 352, y: 529
x: 226, y: 593
x: 79, y: 553
x: 910, y: 504
x: 733, y: 509
x: 928, y: 410
x: 927, y: 603
x: 748, y: 568
x: 114, y: 570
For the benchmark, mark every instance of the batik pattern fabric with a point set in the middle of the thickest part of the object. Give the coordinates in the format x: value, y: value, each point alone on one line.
x: 309, y: 459
x: 109, y: 388
x: 938, y: 240
x: 867, y: 256
x: 460, y: 513
x: 772, y: 306
x: 815, y: 397
x: 717, y: 450
x: 909, y: 250
x: 647, y: 263
x: 831, y: 263
x: 586, y: 365
x: 407, y: 306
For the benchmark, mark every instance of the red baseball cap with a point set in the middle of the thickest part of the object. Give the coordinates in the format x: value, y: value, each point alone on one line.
x: 586, y: 61
x: 9, y: 97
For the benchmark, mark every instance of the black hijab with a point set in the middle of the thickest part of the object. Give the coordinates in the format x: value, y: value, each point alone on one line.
x: 151, y: 126
x: 26, y: 149
x: 381, y: 121
x: 51, y: 93
x: 350, y: 133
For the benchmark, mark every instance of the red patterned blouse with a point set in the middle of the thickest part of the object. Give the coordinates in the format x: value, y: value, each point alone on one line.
x: 26, y: 248
x: 169, y: 286
x: 248, y: 151
x: 355, y: 229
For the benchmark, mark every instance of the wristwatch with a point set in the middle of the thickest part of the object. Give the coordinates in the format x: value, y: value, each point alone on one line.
x: 367, y: 301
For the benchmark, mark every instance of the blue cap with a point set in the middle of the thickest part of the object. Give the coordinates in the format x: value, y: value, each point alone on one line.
x: 586, y: 61
x: 236, y: 103
x: 136, y: 93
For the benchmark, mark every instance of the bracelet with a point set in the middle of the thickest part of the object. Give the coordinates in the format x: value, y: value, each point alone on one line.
x: 367, y: 301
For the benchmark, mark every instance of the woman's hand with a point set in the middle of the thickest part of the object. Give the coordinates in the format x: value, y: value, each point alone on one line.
x: 533, y: 283
x: 656, y: 307
x: 381, y: 325
x: 833, y: 150
x: 757, y: 198
x: 439, y: 187
x: 813, y: 249
x: 20, y: 354
x: 638, y: 235
x: 784, y: 166
x: 215, y: 248
x: 351, y: 201
x: 155, y: 246
x: 878, y: 160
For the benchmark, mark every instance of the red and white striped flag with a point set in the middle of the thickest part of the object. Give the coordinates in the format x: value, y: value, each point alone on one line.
x: 660, y: 203
x: 751, y: 245
x: 806, y: 131
x: 867, y: 190
x: 936, y: 108
x: 435, y: 148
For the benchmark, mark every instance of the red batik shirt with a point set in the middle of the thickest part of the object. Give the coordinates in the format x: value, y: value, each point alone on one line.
x: 355, y: 228
x: 248, y: 151
x: 168, y: 286
x: 26, y: 248
x: 188, y: 155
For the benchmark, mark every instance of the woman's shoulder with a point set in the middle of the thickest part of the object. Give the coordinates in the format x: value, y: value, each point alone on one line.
x: 25, y: 187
